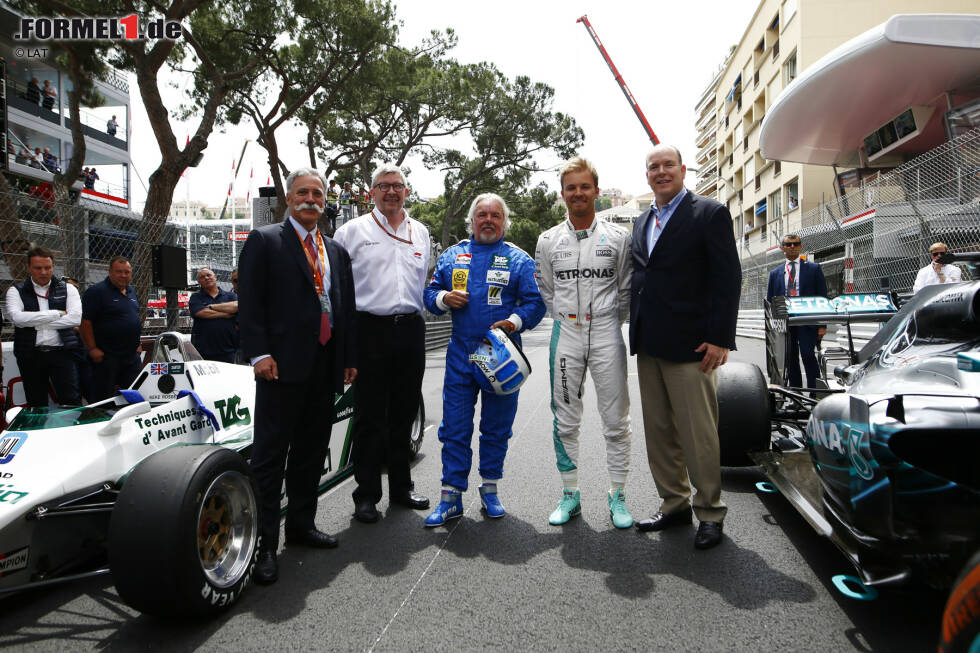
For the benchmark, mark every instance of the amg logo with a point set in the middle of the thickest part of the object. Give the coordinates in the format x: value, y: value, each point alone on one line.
x: 564, y: 380
x: 587, y: 273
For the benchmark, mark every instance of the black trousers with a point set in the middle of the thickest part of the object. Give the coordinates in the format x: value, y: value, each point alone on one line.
x: 115, y: 370
x: 55, y: 365
x: 390, y: 366
x: 292, y: 434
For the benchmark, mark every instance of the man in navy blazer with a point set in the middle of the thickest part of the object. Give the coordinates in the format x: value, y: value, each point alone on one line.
x: 686, y: 284
x: 799, y: 278
x: 296, y: 319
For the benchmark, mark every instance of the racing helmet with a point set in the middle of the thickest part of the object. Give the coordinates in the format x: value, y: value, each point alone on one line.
x: 499, y: 364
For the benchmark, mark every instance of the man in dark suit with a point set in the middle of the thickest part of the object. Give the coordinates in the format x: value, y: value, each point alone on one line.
x: 296, y: 315
x: 686, y: 284
x: 799, y: 278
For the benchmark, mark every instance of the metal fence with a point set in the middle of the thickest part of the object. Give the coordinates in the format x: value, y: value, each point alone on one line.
x: 84, y: 237
x: 888, y: 223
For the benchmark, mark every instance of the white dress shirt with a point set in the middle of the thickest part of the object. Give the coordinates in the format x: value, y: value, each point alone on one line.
x: 46, y: 321
x: 927, y: 276
x: 389, y: 273
x: 796, y: 276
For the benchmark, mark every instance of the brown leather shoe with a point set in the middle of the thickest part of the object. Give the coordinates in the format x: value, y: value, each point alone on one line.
x: 661, y: 520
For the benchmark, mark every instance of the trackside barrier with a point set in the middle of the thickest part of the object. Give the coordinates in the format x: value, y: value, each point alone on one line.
x: 437, y: 334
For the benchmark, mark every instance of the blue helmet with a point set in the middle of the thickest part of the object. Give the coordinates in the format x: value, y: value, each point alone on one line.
x: 499, y: 365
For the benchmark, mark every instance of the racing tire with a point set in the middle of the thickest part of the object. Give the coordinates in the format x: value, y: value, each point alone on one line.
x: 960, y: 632
x: 743, y: 413
x: 418, y: 430
x: 183, y: 536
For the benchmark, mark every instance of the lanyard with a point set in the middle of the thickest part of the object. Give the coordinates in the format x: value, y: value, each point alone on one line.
x: 316, y: 267
x: 374, y: 214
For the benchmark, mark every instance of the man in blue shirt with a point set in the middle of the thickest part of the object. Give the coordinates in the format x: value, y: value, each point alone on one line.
x: 214, y: 311
x: 111, y: 330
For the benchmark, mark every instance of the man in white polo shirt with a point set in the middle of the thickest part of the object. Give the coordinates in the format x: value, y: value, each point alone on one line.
x: 389, y: 253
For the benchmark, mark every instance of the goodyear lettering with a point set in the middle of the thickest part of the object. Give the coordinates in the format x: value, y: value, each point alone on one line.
x: 231, y: 413
x: 585, y: 273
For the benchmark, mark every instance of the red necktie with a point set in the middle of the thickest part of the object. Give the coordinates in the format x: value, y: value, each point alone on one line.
x: 324, y: 317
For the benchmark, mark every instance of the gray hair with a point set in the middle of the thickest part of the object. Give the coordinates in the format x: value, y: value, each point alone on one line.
x: 492, y: 197
x: 304, y: 172
x: 387, y: 169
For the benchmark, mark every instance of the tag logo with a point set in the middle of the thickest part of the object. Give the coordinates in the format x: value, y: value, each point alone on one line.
x: 501, y: 277
x: 459, y: 279
x: 493, y: 296
x: 231, y: 413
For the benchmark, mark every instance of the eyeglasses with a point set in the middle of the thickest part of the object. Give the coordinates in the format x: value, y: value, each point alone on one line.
x: 384, y: 188
x: 935, y: 254
x: 793, y: 244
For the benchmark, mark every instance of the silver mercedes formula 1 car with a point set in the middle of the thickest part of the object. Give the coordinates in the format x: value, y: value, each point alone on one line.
x: 885, y: 461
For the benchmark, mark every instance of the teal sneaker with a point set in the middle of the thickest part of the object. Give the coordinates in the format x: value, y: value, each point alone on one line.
x: 621, y: 517
x: 491, y: 502
x: 569, y: 506
x: 450, y: 507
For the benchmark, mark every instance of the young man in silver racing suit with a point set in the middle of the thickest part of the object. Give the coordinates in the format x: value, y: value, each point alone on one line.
x: 583, y: 269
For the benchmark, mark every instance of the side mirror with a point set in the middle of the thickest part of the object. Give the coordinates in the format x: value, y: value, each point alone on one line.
x: 124, y: 413
x: 846, y: 375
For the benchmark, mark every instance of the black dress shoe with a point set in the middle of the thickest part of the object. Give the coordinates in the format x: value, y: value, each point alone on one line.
x: 312, y: 538
x: 411, y: 499
x: 660, y: 521
x: 364, y: 511
x: 266, y: 569
x: 709, y: 535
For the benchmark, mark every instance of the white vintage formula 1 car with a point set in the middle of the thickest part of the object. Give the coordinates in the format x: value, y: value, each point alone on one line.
x: 152, y: 485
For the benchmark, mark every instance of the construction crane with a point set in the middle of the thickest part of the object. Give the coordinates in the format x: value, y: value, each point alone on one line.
x: 619, y: 79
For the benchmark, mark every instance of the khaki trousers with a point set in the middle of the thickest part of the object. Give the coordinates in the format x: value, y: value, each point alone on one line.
x: 680, y: 423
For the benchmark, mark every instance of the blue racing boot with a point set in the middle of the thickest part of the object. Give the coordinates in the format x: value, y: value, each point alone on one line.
x: 450, y: 507
x: 491, y: 504
x: 569, y: 506
x: 621, y: 517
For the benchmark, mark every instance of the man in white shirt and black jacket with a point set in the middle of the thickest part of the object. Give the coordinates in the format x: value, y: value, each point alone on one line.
x: 45, y: 312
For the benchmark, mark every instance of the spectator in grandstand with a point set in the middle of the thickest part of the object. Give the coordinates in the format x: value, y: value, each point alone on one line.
x: 93, y: 176
x: 111, y: 126
x: 45, y: 311
x: 111, y: 329
x: 38, y: 161
x: 24, y: 156
x: 215, y: 313
x: 33, y: 94
x: 936, y: 272
x: 50, y: 162
x: 50, y: 93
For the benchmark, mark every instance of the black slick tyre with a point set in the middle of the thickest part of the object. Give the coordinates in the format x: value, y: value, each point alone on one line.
x: 183, y: 537
x: 743, y: 413
x: 960, y: 632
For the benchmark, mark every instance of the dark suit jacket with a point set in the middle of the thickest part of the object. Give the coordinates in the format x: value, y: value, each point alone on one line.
x: 812, y: 281
x: 687, y: 291
x: 279, y: 313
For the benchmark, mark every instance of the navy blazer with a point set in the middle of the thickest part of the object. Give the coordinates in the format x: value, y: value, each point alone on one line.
x: 812, y: 281
x: 686, y: 292
x: 279, y: 312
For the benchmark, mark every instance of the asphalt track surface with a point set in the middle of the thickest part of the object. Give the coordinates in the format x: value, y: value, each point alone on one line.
x: 517, y: 583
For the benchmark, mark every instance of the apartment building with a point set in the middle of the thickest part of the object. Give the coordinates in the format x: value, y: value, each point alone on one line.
x: 767, y: 198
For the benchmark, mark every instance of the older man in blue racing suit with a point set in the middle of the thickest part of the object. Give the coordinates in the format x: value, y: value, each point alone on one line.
x: 486, y: 283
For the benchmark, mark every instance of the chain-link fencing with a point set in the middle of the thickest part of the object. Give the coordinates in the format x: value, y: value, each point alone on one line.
x: 890, y: 222
x: 84, y: 237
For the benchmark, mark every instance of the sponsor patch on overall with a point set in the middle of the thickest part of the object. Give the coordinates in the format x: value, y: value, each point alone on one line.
x: 494, y: 297
x: 459, y: 279
x: 604, y: 251
x: 603, y: 240
x: 463, y: 259
x: 582, y: 235
x: 500, y: 262
x: 501, y: 277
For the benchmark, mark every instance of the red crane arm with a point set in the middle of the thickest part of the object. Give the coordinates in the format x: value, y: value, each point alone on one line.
x: 619, y: 79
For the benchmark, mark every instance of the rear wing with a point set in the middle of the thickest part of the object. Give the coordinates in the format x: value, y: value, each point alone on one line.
x: 844, y: 309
